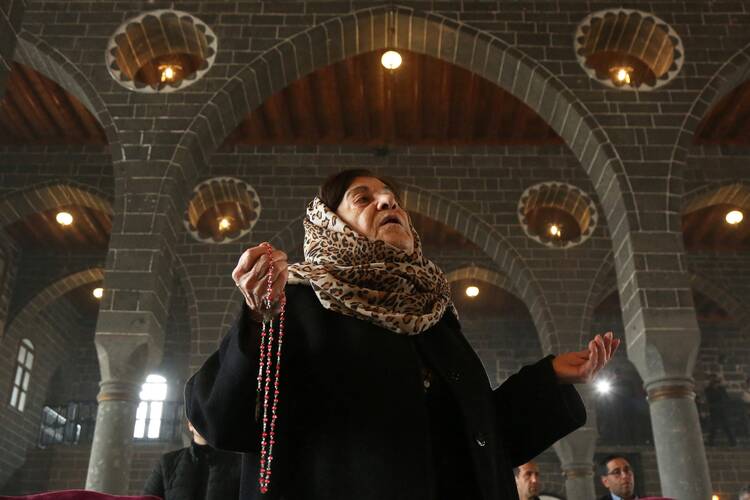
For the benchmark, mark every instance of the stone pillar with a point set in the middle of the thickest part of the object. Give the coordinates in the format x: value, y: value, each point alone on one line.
x: 576, y: 452
x: 678, y: 439
x: 663, y: 341
x: 123, y: 360
x: 11, y: 14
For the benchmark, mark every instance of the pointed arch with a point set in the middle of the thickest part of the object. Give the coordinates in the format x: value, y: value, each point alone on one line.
x: 39, y: 55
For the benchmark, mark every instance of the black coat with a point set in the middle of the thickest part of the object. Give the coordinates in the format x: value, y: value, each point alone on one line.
x: 195, y: 473
x: 353, y: 422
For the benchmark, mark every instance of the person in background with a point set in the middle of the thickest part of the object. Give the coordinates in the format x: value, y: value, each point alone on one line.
x: 617, y: 476
x: 745, y: 493
x: 528, y: 481
x: 718, y: 406
x: 197, y: 472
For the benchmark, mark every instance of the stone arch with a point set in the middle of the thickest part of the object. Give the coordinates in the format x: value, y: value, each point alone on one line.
x: 601, y: 286
x: 520, y: 279
x: 47, y: 60
x: 52, y: 292
x: 732, y: 305
x: 427, y: 33
x: 729, y: 75
x: 733, y: 193
x: 49, y: 195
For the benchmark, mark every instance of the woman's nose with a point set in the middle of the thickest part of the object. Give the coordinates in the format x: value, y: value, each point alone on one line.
x: 386, y: 201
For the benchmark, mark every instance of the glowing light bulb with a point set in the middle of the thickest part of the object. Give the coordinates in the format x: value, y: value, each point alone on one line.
x: 225, y: 224
x: 391, y: 59
x: 98, y: 292
x: 622, y: 74
x: 734, y: 217
x: 603, y: 387
x: 714, y: 497
x: 169, y: 72
x: 555, y: 231
x: 472, y: 291
x: 64, y: 218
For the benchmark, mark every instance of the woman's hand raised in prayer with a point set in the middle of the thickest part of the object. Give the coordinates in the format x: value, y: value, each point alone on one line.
x: 581, y: 367
x: 251, y: 276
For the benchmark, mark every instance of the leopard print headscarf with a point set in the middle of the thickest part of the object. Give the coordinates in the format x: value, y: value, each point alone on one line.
x: 367, y: 279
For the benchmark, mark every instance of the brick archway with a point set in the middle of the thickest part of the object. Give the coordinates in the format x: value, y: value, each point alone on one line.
x: 729, y: 75
x: 49, y: 195
x: 732, y: 305
x: 426, y: 33
x: 47, y: 60
x: 481, y: 274
x: 52, y: 292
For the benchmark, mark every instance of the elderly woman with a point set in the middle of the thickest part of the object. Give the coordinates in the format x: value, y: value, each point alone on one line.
x: 382, y: 397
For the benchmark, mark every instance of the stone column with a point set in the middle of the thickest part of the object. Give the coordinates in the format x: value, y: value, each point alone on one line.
x: 11, y: 14
x: 123, y: 360
x: 576, y: 452
x: 663, y: 341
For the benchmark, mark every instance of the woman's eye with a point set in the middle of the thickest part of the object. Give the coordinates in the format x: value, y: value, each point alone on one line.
x: 361, y: 200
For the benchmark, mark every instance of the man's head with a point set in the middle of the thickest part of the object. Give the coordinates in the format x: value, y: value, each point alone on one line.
x: 617, y: 476
x: 197, y: 438
x: 370, y: 205
x: 527, y: 481
x: 745, y: 493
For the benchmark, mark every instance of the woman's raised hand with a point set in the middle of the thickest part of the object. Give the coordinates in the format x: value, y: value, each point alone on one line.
x: 581, y: 367
x: 251, y: 276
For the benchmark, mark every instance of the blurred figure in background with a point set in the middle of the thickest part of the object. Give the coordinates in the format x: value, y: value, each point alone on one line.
x: 617, y: 476
x: 197, y: 472
x: 527, y: 481
x: 718, y: 408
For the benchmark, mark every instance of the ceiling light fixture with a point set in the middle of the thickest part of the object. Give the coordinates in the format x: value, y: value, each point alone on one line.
x: 621, y: 75
x: 225, y: 224
x: 555, y: 230
x: 64, y: 218
x: 472, y: 291
x: 169, y: 72
x: 391, y: 60
x: 734, y: 217
x: 98, y: 292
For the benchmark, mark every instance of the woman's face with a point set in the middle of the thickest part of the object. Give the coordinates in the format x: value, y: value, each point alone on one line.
x: 371, y: 209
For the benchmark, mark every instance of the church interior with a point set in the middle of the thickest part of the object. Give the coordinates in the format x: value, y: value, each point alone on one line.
x: 573, y: 167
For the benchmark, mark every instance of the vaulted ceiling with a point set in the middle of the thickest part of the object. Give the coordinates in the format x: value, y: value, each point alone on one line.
x: 424, y: 102
x: 36, y: 110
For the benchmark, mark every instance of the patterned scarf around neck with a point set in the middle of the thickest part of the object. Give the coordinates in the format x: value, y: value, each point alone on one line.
x: 368, y: 279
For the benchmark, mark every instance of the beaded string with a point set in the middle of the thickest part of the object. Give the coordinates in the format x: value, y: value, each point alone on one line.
x: 270, y: 399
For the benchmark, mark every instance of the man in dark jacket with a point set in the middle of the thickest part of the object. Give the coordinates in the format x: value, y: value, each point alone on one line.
x: 617, y: 476
x: 198, y: 472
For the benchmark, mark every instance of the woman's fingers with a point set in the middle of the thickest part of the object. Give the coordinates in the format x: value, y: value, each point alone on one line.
x: 251, y: 274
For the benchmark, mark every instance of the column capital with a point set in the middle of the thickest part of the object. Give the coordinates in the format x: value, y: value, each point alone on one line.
x: 116, y: 390
x: 670, y: 389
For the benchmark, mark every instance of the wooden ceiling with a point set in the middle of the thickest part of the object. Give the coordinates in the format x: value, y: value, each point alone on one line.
x: 706, y: 230
x: 424, y: 102
x: 89, y: 232
x: 36, y: 110
x: 728, y: 121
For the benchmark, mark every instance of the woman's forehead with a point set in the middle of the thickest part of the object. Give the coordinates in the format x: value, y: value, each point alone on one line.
x: 367, y: 184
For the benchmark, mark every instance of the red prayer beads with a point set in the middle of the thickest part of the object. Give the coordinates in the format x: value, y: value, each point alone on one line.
x: 265, y: 380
